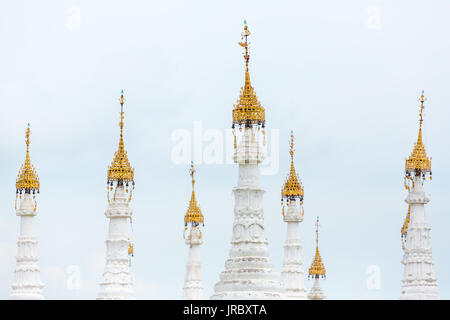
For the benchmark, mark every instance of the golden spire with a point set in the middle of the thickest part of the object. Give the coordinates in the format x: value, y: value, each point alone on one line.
x: 193, y: 213
x: 27, y: 179
x: 248, y: 110
x: 317, y: 268
x: 292, y: 188
x: 120, y: 169
x: 418, y: 162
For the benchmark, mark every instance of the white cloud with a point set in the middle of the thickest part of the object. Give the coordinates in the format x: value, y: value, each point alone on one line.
x: 54, y: 277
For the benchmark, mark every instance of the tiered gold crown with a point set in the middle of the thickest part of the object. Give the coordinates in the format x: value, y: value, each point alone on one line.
x: 248, y: 110
x: 418, y: 162
x: 317, y: 268
x: 193, y: 213
x: 120, y: 170
x: 292, y: 188
x: 27, y: 179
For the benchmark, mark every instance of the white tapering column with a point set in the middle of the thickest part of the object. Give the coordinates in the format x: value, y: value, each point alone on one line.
x: 419, y: 280
x: 249, y: 273
x: 117, y: 283
x: 27, y: 284
x: 316, y: 292
x: 292, y: 275
x: 193, y: 288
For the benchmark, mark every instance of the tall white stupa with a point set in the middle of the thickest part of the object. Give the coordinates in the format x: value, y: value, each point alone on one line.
x: 117, y: 282
x: 292, y: 275
x: 419, y: 280
x: 193, y: 287
x: 317, y: 271
x: 249, y: 273
x: 27, y: 284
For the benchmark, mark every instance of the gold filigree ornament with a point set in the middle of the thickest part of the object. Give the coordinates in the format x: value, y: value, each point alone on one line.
x: 130, y: 248
x: 248, y: 111
x: 27, y: 179
x: 404, y: 230
x: 120, y: 171
x: 193, y: 214
x: 317, y: 268
x: 292, y: 188
x: 418, y: 163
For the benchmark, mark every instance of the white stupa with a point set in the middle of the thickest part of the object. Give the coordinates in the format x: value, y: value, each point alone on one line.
x: 419, y: 280
x: 317, y: 271
x: 117, y: 282
x: 27, y: 284
x: 193, y: 288
x: 249, y: 273
x: 292, y: 275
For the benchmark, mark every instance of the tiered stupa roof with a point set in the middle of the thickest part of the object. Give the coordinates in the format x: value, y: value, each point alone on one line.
x: 120, y: 170
x: 27, y: 178
x: 317, y: 268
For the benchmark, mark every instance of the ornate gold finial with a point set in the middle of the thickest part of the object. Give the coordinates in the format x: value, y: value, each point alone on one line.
x: 418, y: 163
x: 404, y: 230
x: 27, y: 179
x: 120, y: 170
x: 193, y: 213
x: 292, y: 188
x: 248, y: 111
x: 130, y: 248
x: 317, y: 268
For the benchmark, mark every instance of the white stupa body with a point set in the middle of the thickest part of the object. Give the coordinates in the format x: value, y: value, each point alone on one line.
x: 27, y: 284
x: 249, y: 273
x: 193, y: 288
x: 117, y: 283
x: 419, y: 280
x: 316, y: 292
x: 292, y: 275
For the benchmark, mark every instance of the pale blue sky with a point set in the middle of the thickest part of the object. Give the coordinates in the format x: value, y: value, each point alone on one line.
x: 346, y: 85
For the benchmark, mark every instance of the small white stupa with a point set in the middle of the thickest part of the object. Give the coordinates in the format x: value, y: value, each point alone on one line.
x: 27, y: 283
x: 317, y: 271
x: 193, y: 288
x: 419, y: 280
x: 292, y: 275
x: 117, y: 282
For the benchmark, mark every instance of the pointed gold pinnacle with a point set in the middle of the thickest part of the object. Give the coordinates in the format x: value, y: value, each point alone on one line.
x: 27, y: 179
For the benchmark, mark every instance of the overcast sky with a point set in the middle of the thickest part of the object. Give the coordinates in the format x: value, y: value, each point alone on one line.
x: 344, y: 75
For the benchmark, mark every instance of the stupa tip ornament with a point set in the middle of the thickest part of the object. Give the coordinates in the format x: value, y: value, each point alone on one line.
x: 27, y: 178
x: 418, y: 163
x: 292, y: 188
x: 120, y: 170
x: 193, y: 214
x: 247, y: 112
x: 317, y: 268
